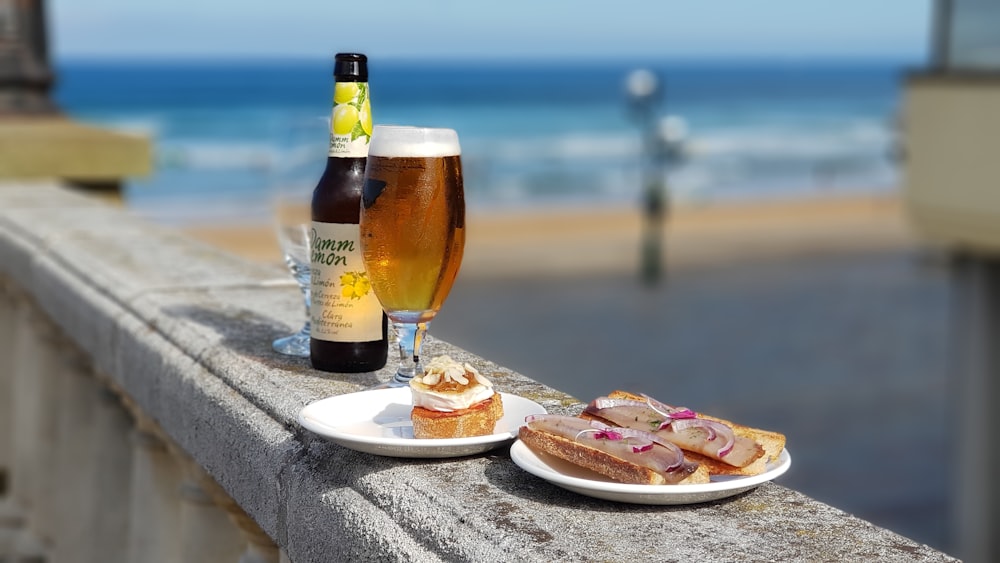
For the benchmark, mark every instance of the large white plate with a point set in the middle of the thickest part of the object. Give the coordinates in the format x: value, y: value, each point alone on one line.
x: 586, y: 482
x: 378, y: 422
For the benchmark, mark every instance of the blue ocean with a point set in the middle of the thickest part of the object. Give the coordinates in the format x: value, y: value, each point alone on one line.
x: 532, y: 133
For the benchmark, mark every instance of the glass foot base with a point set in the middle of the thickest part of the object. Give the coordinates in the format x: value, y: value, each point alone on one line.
x: 294, y: 345
x: 393, y: 383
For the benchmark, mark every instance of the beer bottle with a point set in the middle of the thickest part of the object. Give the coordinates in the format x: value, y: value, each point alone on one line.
x: 349, y: 329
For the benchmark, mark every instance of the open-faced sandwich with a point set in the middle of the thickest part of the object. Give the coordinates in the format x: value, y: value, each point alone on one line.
x: 453, y: 400
x: 623, y: 454
x: 637, y: 432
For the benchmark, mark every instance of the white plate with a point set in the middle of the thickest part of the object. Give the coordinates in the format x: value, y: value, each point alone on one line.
x: 589, y: 483
x: 378, y: 422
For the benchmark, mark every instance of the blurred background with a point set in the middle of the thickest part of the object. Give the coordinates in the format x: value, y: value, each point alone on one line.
x: 759, y: 148
x: 779, y: 99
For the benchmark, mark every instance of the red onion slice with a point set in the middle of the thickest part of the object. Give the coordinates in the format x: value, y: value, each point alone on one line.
x: 695, y: 423
x: 647, y: 439
x: 714, y: 429
x: 660, y: 408
x: 600, y: 434
x: 668, y: 412
x: 645, y: 448
x: 642, y: 441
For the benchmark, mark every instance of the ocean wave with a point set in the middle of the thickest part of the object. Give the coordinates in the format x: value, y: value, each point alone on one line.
x: 568, y: 146
x: 719, y: 162
x: 144, y: 126
x: 794, y: 143
x: 218, y: 155
x: 803, y: 141
x: 862, y: 139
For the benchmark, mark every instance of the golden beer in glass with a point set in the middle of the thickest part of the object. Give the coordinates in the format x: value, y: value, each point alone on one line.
x: 412, y: 228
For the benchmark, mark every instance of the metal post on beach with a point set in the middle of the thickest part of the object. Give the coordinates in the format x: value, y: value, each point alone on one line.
x: 660, y: 147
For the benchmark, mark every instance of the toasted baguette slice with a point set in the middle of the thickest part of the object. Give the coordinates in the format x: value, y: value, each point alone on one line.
x: 478, y: 420
x: 606, y: 464
x: 772, y: 442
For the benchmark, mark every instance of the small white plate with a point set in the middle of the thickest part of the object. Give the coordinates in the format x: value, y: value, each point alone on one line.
x: 589, y: 483
x: 378, y: 422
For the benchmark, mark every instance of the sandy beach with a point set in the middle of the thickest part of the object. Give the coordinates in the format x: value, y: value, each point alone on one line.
x: 587, y: 240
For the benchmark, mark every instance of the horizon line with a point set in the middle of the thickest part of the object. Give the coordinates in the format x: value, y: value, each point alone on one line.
x: 497, y: 59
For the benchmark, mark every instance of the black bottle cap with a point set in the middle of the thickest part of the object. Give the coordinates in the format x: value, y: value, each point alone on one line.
x: 351, y: 67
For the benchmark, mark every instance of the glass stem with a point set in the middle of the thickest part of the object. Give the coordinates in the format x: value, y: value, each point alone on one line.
x: 411, y: 338
x: 305, y: 285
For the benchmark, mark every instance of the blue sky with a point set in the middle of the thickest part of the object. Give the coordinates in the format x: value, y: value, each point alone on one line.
x: 581, y: 29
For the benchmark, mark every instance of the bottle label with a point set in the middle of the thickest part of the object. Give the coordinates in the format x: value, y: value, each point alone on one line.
x: 351, y: 121
x: 344, y: 307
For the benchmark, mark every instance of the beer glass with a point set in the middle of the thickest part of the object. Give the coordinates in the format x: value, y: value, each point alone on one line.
x: 412, y: 230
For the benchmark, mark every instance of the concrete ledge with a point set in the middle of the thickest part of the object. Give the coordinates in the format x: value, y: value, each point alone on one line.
x: 185, y: 331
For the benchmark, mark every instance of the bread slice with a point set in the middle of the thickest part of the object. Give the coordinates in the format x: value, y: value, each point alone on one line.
x: 772, y: 442
x: 608, y: 465
x: 478, y: 420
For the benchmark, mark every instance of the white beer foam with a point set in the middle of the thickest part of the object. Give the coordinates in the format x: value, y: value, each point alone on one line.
x: 405, y: 141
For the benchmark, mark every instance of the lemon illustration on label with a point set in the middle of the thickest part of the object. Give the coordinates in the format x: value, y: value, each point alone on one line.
x: 345, y: 117
x: 351, y: 122
x: 355, y: 285
x: 345, y: 92
x: 365, y: 117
